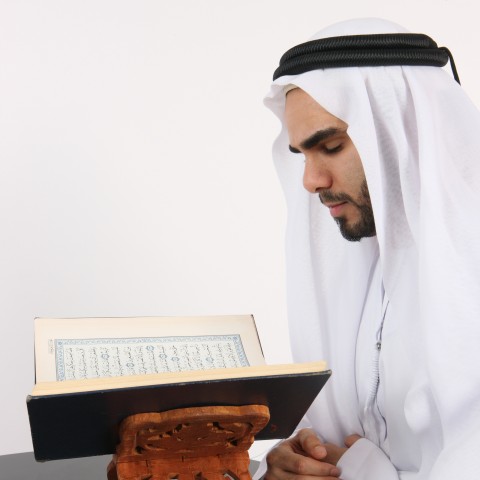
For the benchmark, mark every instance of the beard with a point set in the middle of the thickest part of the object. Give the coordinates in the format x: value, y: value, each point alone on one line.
x: 365, y: 227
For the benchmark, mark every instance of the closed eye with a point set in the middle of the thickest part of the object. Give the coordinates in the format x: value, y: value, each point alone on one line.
x: 332, y: 150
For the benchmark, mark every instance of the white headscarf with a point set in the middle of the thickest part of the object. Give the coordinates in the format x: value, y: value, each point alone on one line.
x: 418, y: 136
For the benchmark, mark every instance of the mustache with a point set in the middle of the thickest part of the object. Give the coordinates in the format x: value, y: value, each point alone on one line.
x: 329, y: 196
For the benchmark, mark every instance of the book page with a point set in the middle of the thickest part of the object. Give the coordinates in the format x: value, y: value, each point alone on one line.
x: 83, y: 348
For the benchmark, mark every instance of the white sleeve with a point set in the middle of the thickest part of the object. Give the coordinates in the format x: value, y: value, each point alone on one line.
x: 365, y: 461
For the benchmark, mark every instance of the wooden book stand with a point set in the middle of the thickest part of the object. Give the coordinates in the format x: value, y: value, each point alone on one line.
x: 200, y: 443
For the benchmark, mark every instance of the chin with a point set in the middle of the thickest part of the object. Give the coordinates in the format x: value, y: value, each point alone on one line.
x: 357, y: 231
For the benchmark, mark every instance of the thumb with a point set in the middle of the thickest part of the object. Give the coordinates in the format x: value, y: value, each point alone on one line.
x: 311, y: 444
x: 351, y: 439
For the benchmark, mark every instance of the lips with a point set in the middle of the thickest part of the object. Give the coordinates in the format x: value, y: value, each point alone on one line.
x: 335, y: 208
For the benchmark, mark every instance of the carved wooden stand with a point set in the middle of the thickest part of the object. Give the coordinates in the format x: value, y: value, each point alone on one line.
x: 201, y: 443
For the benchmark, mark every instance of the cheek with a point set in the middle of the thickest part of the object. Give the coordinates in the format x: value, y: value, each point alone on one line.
x: 353, y: 173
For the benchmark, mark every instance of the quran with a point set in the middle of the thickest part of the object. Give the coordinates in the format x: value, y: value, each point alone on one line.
x: 91, y: 373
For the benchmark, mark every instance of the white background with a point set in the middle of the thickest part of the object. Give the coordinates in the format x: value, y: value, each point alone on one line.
x: 135, y: 170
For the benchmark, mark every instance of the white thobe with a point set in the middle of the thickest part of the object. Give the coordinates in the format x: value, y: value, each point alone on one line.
x: 402, y: 434
x: 367, y: 457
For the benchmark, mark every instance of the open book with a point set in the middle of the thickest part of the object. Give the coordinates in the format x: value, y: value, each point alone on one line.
x: 91, y: 373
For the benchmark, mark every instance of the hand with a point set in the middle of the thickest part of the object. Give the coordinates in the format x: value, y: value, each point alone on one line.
x: 304, y: 455
x: 334, y: 452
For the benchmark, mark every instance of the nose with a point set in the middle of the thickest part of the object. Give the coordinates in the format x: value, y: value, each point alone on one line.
x: 315, y: 176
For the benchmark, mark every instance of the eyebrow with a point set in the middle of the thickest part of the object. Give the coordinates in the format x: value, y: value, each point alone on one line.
x: 316, y: 138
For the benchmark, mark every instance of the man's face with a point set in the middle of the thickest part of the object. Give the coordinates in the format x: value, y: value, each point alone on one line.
x: 333, y: 168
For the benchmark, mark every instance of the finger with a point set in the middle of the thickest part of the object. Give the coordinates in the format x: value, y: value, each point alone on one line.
x: 311, y: 444
x: 293, y: 463
x: 290, y: 476
x: 334, y: 453
x: 351, y: 439
x: 284, y: 463
x: 269, y: 476
x: 273, y: 474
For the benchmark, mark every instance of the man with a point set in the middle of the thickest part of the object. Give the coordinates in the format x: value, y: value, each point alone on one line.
x: 392, y: 153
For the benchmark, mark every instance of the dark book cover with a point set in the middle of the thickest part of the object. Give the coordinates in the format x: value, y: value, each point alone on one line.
x: 86, y: 424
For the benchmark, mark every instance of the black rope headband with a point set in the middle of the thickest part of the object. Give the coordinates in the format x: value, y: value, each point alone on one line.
x: 374, y: 50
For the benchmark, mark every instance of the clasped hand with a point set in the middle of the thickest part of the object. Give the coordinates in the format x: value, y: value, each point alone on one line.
x: 305, y: 455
